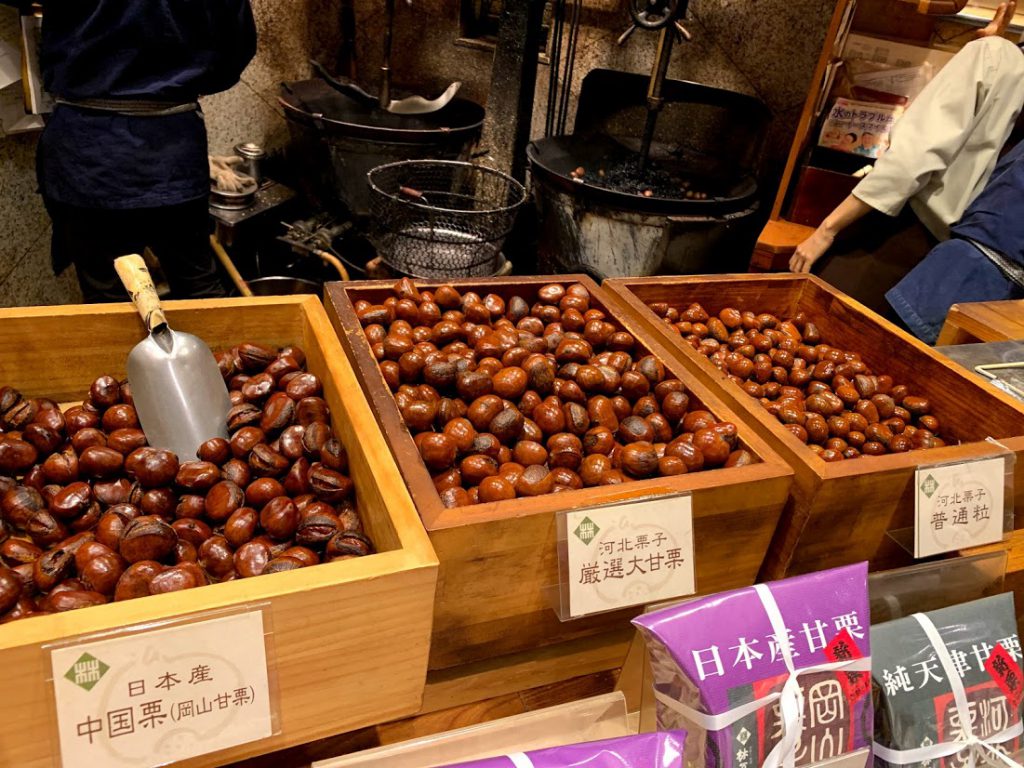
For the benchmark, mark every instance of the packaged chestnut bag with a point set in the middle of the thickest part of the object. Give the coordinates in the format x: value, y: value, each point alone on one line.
x: 645, y: 750
x: 947, y: 686
x: 770, y: 675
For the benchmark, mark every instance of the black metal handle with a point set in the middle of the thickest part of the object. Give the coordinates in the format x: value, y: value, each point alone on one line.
x: 347, y: 88
x: 655, y: 14
x: 590, y: 271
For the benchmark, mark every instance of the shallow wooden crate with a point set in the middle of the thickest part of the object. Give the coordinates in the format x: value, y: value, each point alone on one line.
x: 840, y: 512
x: 349, y: 638
x: 498, y: 561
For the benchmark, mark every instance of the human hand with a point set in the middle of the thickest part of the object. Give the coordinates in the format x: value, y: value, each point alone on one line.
x: 1001, y: 21
x: 810, y: 250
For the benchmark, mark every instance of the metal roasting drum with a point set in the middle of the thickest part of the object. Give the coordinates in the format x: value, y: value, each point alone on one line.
x: 707, y: 139
x: 653, y: 178
x: 337, y: 140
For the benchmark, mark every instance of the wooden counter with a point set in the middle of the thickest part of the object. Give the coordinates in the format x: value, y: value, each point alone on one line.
x: 983, y: 321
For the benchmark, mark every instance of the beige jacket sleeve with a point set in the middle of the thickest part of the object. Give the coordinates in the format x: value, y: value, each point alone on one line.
x: 945, y: 146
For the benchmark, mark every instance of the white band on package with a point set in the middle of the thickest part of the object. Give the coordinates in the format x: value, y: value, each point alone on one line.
x: 520, y: 760
x: 790, y: 697
x: 947, y: 748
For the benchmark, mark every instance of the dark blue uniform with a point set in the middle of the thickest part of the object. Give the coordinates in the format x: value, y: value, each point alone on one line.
x: 115, y: 182
x: 957, y: 271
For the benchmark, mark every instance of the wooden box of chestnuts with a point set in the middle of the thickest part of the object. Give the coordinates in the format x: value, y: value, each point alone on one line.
x: 855, y: 404
x: 560, y: 403
x: 92, y: 518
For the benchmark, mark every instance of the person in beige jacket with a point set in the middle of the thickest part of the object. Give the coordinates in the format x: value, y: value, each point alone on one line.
x: 944, y: 147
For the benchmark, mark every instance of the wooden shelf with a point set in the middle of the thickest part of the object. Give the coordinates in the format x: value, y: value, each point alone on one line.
x: 885, y: 19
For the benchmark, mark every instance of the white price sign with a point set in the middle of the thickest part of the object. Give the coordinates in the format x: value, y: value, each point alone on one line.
x: 155, y: 697
x: 629, y: 554
x: 958, y: 506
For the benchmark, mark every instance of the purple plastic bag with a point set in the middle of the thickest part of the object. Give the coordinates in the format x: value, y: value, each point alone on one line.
x: 646, y: 750
x: 716, y: 653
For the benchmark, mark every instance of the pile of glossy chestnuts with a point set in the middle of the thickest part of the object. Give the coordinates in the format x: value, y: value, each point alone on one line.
x: 529, y: 397
x: 91, y: 514
x: 826, y: 396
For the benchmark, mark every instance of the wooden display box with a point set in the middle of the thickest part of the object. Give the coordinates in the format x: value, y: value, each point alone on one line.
x: 498, y: 561
x: 350, y: 638
x: 840, y: 512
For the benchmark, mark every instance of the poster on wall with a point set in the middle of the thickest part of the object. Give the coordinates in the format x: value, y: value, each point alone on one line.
x: 859, y: 127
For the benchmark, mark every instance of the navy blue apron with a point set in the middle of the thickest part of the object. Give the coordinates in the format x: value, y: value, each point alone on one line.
x: 170, y: 51
x: 956, y: 271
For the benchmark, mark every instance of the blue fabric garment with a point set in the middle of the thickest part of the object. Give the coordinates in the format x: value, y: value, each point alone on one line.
x: 98, y: 160
x: 172, y: 50
x: 953, y: 272
x: 957, y: 272
x: 996, y: 217
x: 163, y: 49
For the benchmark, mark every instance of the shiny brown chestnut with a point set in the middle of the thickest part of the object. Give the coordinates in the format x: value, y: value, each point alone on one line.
x: 216, y: 451
x: 280, y: 518
x: 222, y: 500
x: 152, y: 467
x: 147, y: 538
x: 176, y: 578
x: 216, y: 557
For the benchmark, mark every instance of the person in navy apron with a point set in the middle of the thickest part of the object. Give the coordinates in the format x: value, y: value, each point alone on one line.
x: 982, y: 261
x: 122, y: 162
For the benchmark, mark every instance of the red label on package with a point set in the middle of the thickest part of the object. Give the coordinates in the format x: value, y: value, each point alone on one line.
x: 1007, y: 674
x: 844, y: 648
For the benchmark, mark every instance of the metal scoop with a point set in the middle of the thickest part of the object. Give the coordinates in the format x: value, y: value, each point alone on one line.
x: 417, y: 105
x: 411, y: 105
x: 179, y: 393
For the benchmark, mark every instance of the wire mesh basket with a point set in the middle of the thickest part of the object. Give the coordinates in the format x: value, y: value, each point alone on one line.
x: 442, y: 218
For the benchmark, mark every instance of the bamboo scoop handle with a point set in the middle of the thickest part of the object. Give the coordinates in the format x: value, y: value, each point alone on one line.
x: 137, y: 280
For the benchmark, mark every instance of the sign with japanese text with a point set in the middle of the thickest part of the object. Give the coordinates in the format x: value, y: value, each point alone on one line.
x: 1006, y: 672
x: 919, y: 675
x: 155, y: 697
x: 629, y: 554
x: 958, y: 505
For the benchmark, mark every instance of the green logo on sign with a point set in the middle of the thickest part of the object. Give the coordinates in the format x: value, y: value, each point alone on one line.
x: 86, y: 672
x: 929, y: 486
x: 586, y: 530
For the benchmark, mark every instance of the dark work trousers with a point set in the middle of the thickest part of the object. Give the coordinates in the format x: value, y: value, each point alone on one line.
x: 91, y: 238
x: 873, y: 255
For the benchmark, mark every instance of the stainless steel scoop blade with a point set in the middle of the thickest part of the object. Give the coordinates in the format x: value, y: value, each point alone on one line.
x: 177, y: 387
